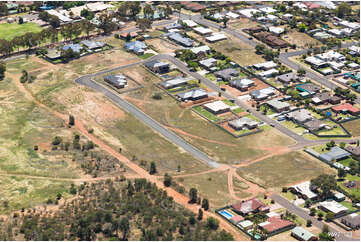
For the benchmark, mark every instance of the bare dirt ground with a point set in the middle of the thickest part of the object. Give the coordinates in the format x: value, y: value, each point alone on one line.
x: 162, y: 46
x: 258, y: 86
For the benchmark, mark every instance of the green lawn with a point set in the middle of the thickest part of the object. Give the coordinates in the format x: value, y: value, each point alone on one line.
x: 206, y: 114
x: 353, y: 127
x: 9, y: 31
x: 146, y: 56
x: 348, y: 205
x: 238, y: 110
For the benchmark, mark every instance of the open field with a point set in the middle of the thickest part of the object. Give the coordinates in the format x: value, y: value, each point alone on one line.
x: 301, y: 40
x: 218, y: 144
x: 353, y: 127
x: 9, y: 31
x: 241, y: 23
x: 284, y: 170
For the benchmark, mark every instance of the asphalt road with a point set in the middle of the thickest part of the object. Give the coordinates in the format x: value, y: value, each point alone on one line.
x: 303, y: 214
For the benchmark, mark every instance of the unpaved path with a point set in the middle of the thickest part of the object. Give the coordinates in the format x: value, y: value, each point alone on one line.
x: 178, y: 198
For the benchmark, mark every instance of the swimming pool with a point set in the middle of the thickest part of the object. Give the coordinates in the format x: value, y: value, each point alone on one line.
x: 226, y: 214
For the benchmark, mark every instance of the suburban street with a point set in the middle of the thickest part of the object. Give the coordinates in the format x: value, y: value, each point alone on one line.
x: 303, y: 214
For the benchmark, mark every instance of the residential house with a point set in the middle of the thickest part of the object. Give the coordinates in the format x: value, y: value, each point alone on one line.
x: 190, y: 23
x: 287, y: 16
x: 321, y: 35
x: 192, y: 95
x: 173, y: 26
x: 93, y: 45
x: 253, y: 205
x: 132, y: 35
x: 351, y: 220
x: 304, y: 190
x: 227, y: 74
x: 308, y: 87
x: 53, y: 54
x: 262, y: 94
x: 203, y: 31
x: 339, y: 197
x: 331, y: 56
x: 269, y: 18
x: 201, y: 50
x: 175, y: 82
x: 299, y: 116
x: 245, y: 224
x: 321, y: 98
x: 335, y: 100
x: 269, y: 73
x: 346, y: 108
x: 208, y: 64
x: 276, y: 30
x: 316, y: 62
x: 265, y: 65
x: 275, y: 225
x: 288, y: 78
x: 158, y: 66
x: 268, y: 10
x: 335, y: 154
x: 278, y: 106
x: 74, y: 47
x: 302, y: 234
x: 215, y: 37
x: 271, y: 40
x: 242, y: 84
x: 244, y: 122
x: 351, y: 25
x: 180, y: 39
x: 217, y: 107
x: 138, y: 47
x: 118, y: 81
x: 232, y: 15
x: 314, y: 125
x: 354, y: 151
x: 249, y: 12
x: 334, y: 207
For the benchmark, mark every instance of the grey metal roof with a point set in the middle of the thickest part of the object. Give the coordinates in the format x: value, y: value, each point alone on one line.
x: 181, y: 39
x: 227, y: 73
x: 176, y: 81
x: 93, y: 44
x: 336, y: 153
x: 194, y: 93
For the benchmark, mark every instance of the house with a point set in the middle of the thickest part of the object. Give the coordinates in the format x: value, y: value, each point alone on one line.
x: 244, y: 122
x: 232, y: 15
x: 262, y: 94
x: 275, y: 225
x: 300, y: 233
x: 335, y: 100
x: 278, y: 106
x: 268, y: 18
x: 321, y: 98
x: 236, y: 219
x: 335, y: 154
x: 61, y: 14
x: 269, y: 73
x: 253, y: 205
x: 98, y: 6
x: 268, y: 10
x: 180, y: 39
x: 265, y: 65
x: 276, y: 30
x: 339, y: 197
x: 304, y: 190
x: 316, y: 62
x: 321, y: 35
x: 93, y: 45
x: 246, y: 224
x: 217, y: 16
x: 119, y: 81
x: 249, y: 12
x: 350, y: 25
x: 288, y: 78
x: 271, y: 40
x: 336, y: 32
x: 242, y: 84
x: 346, y: 108
x: 215, y: 37
x: 192, y: 95
x: 331, y: 56
x: 173, y: 26
x: 203, y: 31
x: 208, y: 63
x: 308, y: 87
x: 74, y: 47
x: 299, y: 116
x: 227, y: 74
x: 334, y: 207
x: 287, y: 16
x: 175, y: 82
x: 217, y: 107
x: 351, y: 220
x: 53, y: 54
x: 201, y: 50
x: 190, y: 23
x: 314, y: 125
x: 138, y: 47
x: 157, y: 66
x: 354, y: 150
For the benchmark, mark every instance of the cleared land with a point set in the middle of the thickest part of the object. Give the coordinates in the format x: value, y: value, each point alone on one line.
x: 284, y: 170
x: 9, y: 31
x: 353, y: 127
x: 300, y: 39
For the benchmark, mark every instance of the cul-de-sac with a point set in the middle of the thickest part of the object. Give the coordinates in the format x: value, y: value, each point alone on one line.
x: 180, y: 120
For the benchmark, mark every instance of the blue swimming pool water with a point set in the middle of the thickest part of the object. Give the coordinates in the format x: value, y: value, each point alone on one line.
x: 226, y: 214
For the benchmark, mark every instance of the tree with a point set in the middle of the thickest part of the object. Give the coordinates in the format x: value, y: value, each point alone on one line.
x: 307, y: 203
x: 21, y: 20
x: 302, y: 27
x: 88, y: 27
x: 225, y: 21
x: 152, y: 169
x: 309, y: 223
x: 106, y: 24
x: 312, y: 211
x: 260, y: 48
x: 3, y: 9
x: 2, y: 70
x: 326, y: 237
x: 167, y: 180
x: 342, y: 145
x: 89, y: 15
x: 54, y: 21
x: 212, y: 223
x: 343, y: 9
x: 124, y: 227
x: 71, y: 120
x: 331, y: 144
x: 326, y: 183
x: 144, y: 24
x: 329, y: 216
x: 205, y: 204
x: 193, y: 195
x: 301, y: 71
x: 148, y: 11
x: 200, y: 214
x: 341, y: 173
x: 320, y: 215
x: 57, y: 140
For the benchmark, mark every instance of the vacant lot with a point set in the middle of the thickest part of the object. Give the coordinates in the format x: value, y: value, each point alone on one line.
x: 162, y: 46
x: 353, y: 127
x: 9, y: 31
x: 284, y: 170
x: 301, y: 40
x: 242, y: 23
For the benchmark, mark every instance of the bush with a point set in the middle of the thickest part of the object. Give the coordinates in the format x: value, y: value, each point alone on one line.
x: 212, y: 223
x: 57, y: 140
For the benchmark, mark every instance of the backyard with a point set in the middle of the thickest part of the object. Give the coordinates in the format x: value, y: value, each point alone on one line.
x: 10, y: 30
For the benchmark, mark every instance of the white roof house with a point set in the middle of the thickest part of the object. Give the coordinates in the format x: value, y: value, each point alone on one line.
x: 333, y: 207
x: 248, y: 12
x: 202, y: 30
x: 217, y: 106
x: 98, y: 6
x: 314, y: 61
x: 287, y: 16
x: 216, y: 37
x: 327, y: 4
x: 330, y: 56
x: 350, y: 25
x: 321, y: 35
x: 268, y: 10
x: 200, y: 49
x: 232, y: 15
x: 304, y: 189
x: 336, y: 32
x: 268, y: 73
x: 190, y: 23
x: 276, y: 30
x: 266, y: 65
x: 62, y: 15
x: 354, y: 48
x: 245, y: 224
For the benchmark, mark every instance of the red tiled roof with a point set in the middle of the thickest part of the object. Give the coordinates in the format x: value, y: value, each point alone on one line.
x: 311, y: 5
x: 237, y: 219
x: 276, y: 223
x: 345, y: 106
x: 250, y: 205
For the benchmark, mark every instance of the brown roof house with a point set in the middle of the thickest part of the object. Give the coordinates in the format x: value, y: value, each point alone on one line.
x: 351, y: 220
x: 355, y: 151
x: 253, y: 205
x: 271, y: 40
x: 276, y: 225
